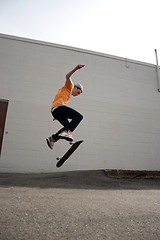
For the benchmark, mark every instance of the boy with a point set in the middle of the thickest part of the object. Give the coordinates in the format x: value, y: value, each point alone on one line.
x: 62, y: 113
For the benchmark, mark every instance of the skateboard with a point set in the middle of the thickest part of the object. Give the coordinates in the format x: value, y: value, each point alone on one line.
x: 74, y: 146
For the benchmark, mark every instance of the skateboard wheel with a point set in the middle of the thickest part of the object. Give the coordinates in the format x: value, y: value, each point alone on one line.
x: 58, y: 158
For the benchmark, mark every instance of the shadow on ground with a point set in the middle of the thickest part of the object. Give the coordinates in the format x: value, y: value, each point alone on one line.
x: 76, y: 180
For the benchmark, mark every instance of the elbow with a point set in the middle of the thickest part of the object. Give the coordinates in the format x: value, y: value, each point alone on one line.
x: 67, y: 76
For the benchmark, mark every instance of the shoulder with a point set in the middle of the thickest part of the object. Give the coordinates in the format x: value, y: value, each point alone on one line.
x: 69, y: 84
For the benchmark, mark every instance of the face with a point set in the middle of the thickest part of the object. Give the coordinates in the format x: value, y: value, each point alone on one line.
x: 76, y: 91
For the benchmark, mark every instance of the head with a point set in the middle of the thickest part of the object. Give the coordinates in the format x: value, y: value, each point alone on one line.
x: 77, y: 90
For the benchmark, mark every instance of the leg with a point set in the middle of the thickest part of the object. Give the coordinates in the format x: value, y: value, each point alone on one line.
x: 75, y: 117
x: 62, y: 114
x: 64, y: 122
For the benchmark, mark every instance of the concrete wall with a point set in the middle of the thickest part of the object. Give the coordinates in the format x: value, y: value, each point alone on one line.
x: 120, y: 105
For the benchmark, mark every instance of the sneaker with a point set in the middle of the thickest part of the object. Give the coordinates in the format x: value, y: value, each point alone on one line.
x: 66, y: 135
x: 50, y: 142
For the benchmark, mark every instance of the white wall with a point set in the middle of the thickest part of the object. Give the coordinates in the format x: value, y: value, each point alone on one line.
x: 120, y: 105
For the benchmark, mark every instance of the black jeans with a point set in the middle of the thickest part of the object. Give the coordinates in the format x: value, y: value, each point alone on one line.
x: 62, y: 114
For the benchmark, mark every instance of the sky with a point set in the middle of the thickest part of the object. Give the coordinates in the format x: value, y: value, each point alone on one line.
x: 123, y: 28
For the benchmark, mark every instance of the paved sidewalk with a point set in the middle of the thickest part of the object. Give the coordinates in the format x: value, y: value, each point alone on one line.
x: 78, y: 205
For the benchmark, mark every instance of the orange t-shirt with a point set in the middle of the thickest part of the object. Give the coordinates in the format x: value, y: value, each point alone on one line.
x: 63, y: 95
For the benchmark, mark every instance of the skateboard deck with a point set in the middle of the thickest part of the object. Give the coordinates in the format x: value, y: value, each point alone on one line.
x: 68, y: 153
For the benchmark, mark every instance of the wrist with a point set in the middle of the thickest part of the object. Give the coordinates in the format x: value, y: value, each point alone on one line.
x: 77, y: 67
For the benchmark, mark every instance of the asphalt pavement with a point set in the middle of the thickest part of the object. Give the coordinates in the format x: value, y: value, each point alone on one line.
x: 78, y: 205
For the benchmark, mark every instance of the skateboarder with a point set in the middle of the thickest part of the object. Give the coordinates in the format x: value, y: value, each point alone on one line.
x: 61, y: 112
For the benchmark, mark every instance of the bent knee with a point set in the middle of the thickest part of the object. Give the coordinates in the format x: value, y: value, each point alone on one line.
x: 80, y: 117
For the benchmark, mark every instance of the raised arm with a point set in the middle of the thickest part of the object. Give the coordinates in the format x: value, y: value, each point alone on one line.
x: 79, y: 66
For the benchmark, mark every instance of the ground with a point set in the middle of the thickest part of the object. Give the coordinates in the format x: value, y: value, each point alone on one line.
x: 78, y: 205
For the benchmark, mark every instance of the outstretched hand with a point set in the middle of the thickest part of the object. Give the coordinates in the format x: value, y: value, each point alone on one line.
x: 79, y: 66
